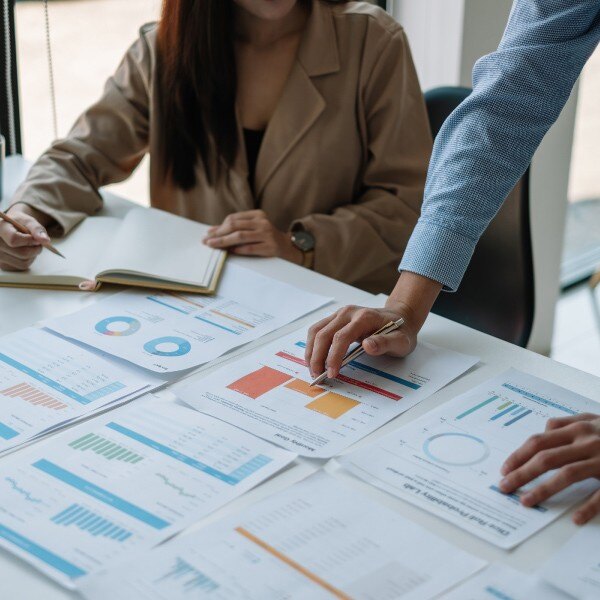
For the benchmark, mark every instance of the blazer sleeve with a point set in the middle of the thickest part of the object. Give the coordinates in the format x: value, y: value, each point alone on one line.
x: 371, y: 231
x: 104, y: 146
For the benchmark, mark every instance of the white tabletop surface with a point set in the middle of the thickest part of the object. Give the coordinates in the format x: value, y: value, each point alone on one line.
x: 20, y: 308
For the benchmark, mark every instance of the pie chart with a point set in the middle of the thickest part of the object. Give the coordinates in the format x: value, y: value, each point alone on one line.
x: 456, y: 449
x: 118, y: 326
x: 168, y: 346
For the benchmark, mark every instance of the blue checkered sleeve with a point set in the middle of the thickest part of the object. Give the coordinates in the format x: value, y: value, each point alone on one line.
x: 487, y: 143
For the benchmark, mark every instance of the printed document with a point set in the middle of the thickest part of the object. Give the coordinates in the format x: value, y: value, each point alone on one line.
x: 318, y: 539
x: 98, y: 493
x: 448, y: 461
x: 268, y: 394
x: 575, y: 568
x: 47, y: 382
x: 500, y: 582
x: 168, y: 331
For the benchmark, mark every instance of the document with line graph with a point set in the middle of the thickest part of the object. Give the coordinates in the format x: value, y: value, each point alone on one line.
x: 97, y: 493
x: 168, y: 332
x: 268, y: 394
x: 319, y: 539
x: 448, y: 461
x: 47, y: 382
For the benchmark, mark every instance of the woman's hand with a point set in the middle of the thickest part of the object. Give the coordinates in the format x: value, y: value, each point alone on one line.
x: 250, y: 233
x: 571, y: 445
x: 18, y: 250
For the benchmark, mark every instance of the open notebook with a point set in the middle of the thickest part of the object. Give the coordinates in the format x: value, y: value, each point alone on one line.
x: 147, y: 248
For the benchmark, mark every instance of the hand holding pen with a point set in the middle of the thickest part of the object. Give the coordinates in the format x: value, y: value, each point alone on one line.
x: 359, y: 350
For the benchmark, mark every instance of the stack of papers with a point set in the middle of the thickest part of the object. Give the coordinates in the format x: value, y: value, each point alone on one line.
x: 318, y: 539
x: 169, y: 332
x: 124, y: 482
x: 267, y: 393
x: 47, y: 382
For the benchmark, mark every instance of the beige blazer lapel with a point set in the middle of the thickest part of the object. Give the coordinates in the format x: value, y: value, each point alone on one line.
x: 301, y: 103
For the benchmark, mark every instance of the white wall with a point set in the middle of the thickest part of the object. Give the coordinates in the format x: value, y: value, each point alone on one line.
x: 447, y: 37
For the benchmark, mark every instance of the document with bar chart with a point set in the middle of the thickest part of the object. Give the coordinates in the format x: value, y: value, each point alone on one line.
x: 122, y: 483
x: 500, y: 582
x: 318, y: 539
x: 168, y: 332
x: 46, y: 382
x: 268, y: 394
x: 448, y: 461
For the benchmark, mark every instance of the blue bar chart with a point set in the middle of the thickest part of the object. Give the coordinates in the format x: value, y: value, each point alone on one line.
x: 189, y: 577
x: 91, y: 522
x: 505, y: 412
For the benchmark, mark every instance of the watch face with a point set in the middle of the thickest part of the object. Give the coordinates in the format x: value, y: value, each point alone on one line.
x: 303, y: 240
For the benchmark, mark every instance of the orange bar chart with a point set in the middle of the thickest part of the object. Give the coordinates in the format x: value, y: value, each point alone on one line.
x: 332, y: 405
x: 259, y: 382
x: 297, y: 385
x: 28, y: 393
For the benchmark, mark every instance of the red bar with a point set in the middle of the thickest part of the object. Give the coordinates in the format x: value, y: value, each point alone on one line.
x: 368, y: 386
x: 293, y: 358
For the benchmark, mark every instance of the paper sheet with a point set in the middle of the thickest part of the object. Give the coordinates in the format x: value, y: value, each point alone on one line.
x: 123, y: 483
x: 267, y: 393
x: 318, y: 539
x: 449, y: 460
x: 46, y: 382
x: 500, y: 582
x: 575, y: 568
x: 167, y: 332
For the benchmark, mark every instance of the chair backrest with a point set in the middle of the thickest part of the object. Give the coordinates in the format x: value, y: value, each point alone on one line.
x: 496, y: 295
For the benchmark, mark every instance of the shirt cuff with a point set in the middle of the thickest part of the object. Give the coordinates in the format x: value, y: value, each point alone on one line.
x: 438, y: 253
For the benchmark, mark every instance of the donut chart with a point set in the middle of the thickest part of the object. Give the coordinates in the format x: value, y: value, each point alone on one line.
x: 118, y: 326
x: 164, y: 346
x: 456, y: 449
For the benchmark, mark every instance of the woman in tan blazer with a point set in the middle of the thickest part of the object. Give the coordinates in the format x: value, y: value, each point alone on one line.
x: 297, y: 128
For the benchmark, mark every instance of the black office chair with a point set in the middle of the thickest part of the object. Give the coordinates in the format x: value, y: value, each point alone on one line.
x: 496, y: 295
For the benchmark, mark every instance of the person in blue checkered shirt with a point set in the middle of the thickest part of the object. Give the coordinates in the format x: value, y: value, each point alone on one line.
x: 479, y: 155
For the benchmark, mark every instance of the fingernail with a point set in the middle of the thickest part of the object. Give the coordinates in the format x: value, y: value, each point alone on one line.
x: 527, y: 499
x: 578, y: 519
x: 504, y: 485
x: 330, y: 373
x: 503, y: 469
x: 43, y: 234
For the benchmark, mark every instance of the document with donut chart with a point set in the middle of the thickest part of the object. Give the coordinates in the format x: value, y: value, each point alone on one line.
x: 98, y: 493
x: 268, y: 394
x: 448, y: 461
x: 47, y: 382
x: 575, y: 568
x: 168, y: 331
x: 318, y: 539
x: 501, y: 582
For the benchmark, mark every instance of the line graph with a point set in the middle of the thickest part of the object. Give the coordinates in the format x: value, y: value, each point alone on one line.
x: 26, y: 494
x: 179, y: 489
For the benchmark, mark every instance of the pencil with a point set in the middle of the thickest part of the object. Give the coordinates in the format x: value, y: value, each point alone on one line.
x: 350, y: 356
x: 22, y: 229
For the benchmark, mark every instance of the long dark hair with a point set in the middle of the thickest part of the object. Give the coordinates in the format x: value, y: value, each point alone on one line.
x: 197, y: 78
x: 198, y: 85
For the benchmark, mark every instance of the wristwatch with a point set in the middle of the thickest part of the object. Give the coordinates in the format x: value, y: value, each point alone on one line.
x: 305, y: 242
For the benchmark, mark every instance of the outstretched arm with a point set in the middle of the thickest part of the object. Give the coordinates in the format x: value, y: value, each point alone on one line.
x: 479, y: 155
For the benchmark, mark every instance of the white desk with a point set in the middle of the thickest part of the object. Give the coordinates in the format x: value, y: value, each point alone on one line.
x: 19, y: 308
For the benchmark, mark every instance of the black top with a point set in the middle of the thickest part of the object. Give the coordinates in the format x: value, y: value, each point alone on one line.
x: 253, y: 140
